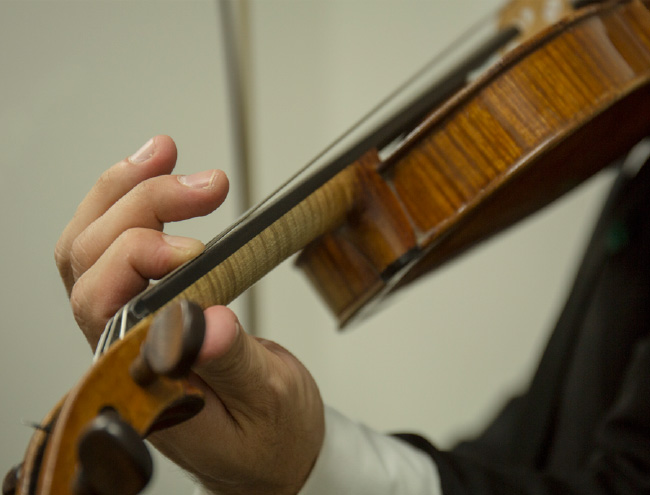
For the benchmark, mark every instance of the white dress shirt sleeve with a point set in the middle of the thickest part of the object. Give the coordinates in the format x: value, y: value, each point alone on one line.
x: 357, y: 460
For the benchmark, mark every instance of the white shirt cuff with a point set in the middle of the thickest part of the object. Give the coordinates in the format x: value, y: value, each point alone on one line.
x: 357, y: 460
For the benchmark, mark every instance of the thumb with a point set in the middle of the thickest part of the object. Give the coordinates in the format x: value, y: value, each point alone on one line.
x: 262, y: 425
x: 231, y: 362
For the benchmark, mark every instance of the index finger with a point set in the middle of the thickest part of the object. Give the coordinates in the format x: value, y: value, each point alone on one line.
x: 156, y: 157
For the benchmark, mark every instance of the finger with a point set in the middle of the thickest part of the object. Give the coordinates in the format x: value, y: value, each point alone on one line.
x: 156, y: 157
x: 229, y: 355
x: 238, y: 367
x: 123, y: 271
x: 262, y: 424
x: 223, y: 366
x: 150, y: 204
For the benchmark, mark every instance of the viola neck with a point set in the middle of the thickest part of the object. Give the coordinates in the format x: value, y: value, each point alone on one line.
x: 244, y: 253
x: 250, y: 260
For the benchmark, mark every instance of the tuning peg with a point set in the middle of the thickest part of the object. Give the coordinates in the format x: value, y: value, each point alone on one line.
x: 10, y: 483
x: 172, y: 343
x: 112, y: 458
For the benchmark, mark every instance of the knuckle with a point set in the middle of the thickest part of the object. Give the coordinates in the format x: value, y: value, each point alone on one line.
x: 281, y: 390
x: 129, y: 243
x: 78, y: 306
x: 108, y: 178
x: 106, y: 181
x: 78, y: 257
x: 161, y: 262
x: 61, y: 257
x: 158, y: 262
x: 147, y: 188
x: 142, y: 250
x: 90, y: 312
x: 147, y: 194
x: 132, y: 241
x: 62, y: 261
x: 280, y: 378
x: 81, y: 309
x: 130, y: 237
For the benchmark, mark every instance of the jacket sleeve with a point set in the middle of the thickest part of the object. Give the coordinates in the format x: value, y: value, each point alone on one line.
x: 618, y: 464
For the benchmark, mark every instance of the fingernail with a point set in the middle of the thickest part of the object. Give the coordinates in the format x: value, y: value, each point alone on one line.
x: 198, y: 180
x: 183, y: 243
x: 144, y: 153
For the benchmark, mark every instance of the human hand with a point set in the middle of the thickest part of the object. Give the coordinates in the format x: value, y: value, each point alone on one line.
x: 114, y: 243
x: 262, y: 425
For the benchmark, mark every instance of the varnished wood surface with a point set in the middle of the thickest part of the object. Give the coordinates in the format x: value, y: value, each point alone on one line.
x: 538, y: 129
x: 490, y: 132
x: 556, y: 110
x: 321, y: 212
x: 30, y: 469
x: 108, y: 383
x: 376, y: 233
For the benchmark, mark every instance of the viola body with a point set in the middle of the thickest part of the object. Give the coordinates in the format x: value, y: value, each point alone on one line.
x: 546, y: 117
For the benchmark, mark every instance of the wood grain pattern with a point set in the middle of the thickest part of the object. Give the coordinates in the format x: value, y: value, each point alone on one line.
x: 499, y: 128
x: 353, y: 257
x: 108, y: 383
x: 553, y: 112
x: 554, y: 117
x: 321, y: 212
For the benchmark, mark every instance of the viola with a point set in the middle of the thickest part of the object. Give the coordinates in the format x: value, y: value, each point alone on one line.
x: 397, y: 198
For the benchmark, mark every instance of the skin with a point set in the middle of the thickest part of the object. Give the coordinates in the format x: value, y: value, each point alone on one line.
x: 262, y: 427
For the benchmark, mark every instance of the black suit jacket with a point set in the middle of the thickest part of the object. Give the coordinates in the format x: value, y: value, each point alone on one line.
x: 583, y: 426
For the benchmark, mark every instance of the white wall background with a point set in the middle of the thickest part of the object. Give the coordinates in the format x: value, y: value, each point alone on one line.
x: 84, y: 84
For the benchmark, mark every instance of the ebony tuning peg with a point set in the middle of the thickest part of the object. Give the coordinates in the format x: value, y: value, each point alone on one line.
x: 172, y: 343
x: 10, y: 483
x: 113, y: 459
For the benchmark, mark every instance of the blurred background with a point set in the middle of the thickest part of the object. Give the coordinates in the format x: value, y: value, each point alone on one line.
x: 84, y: 84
